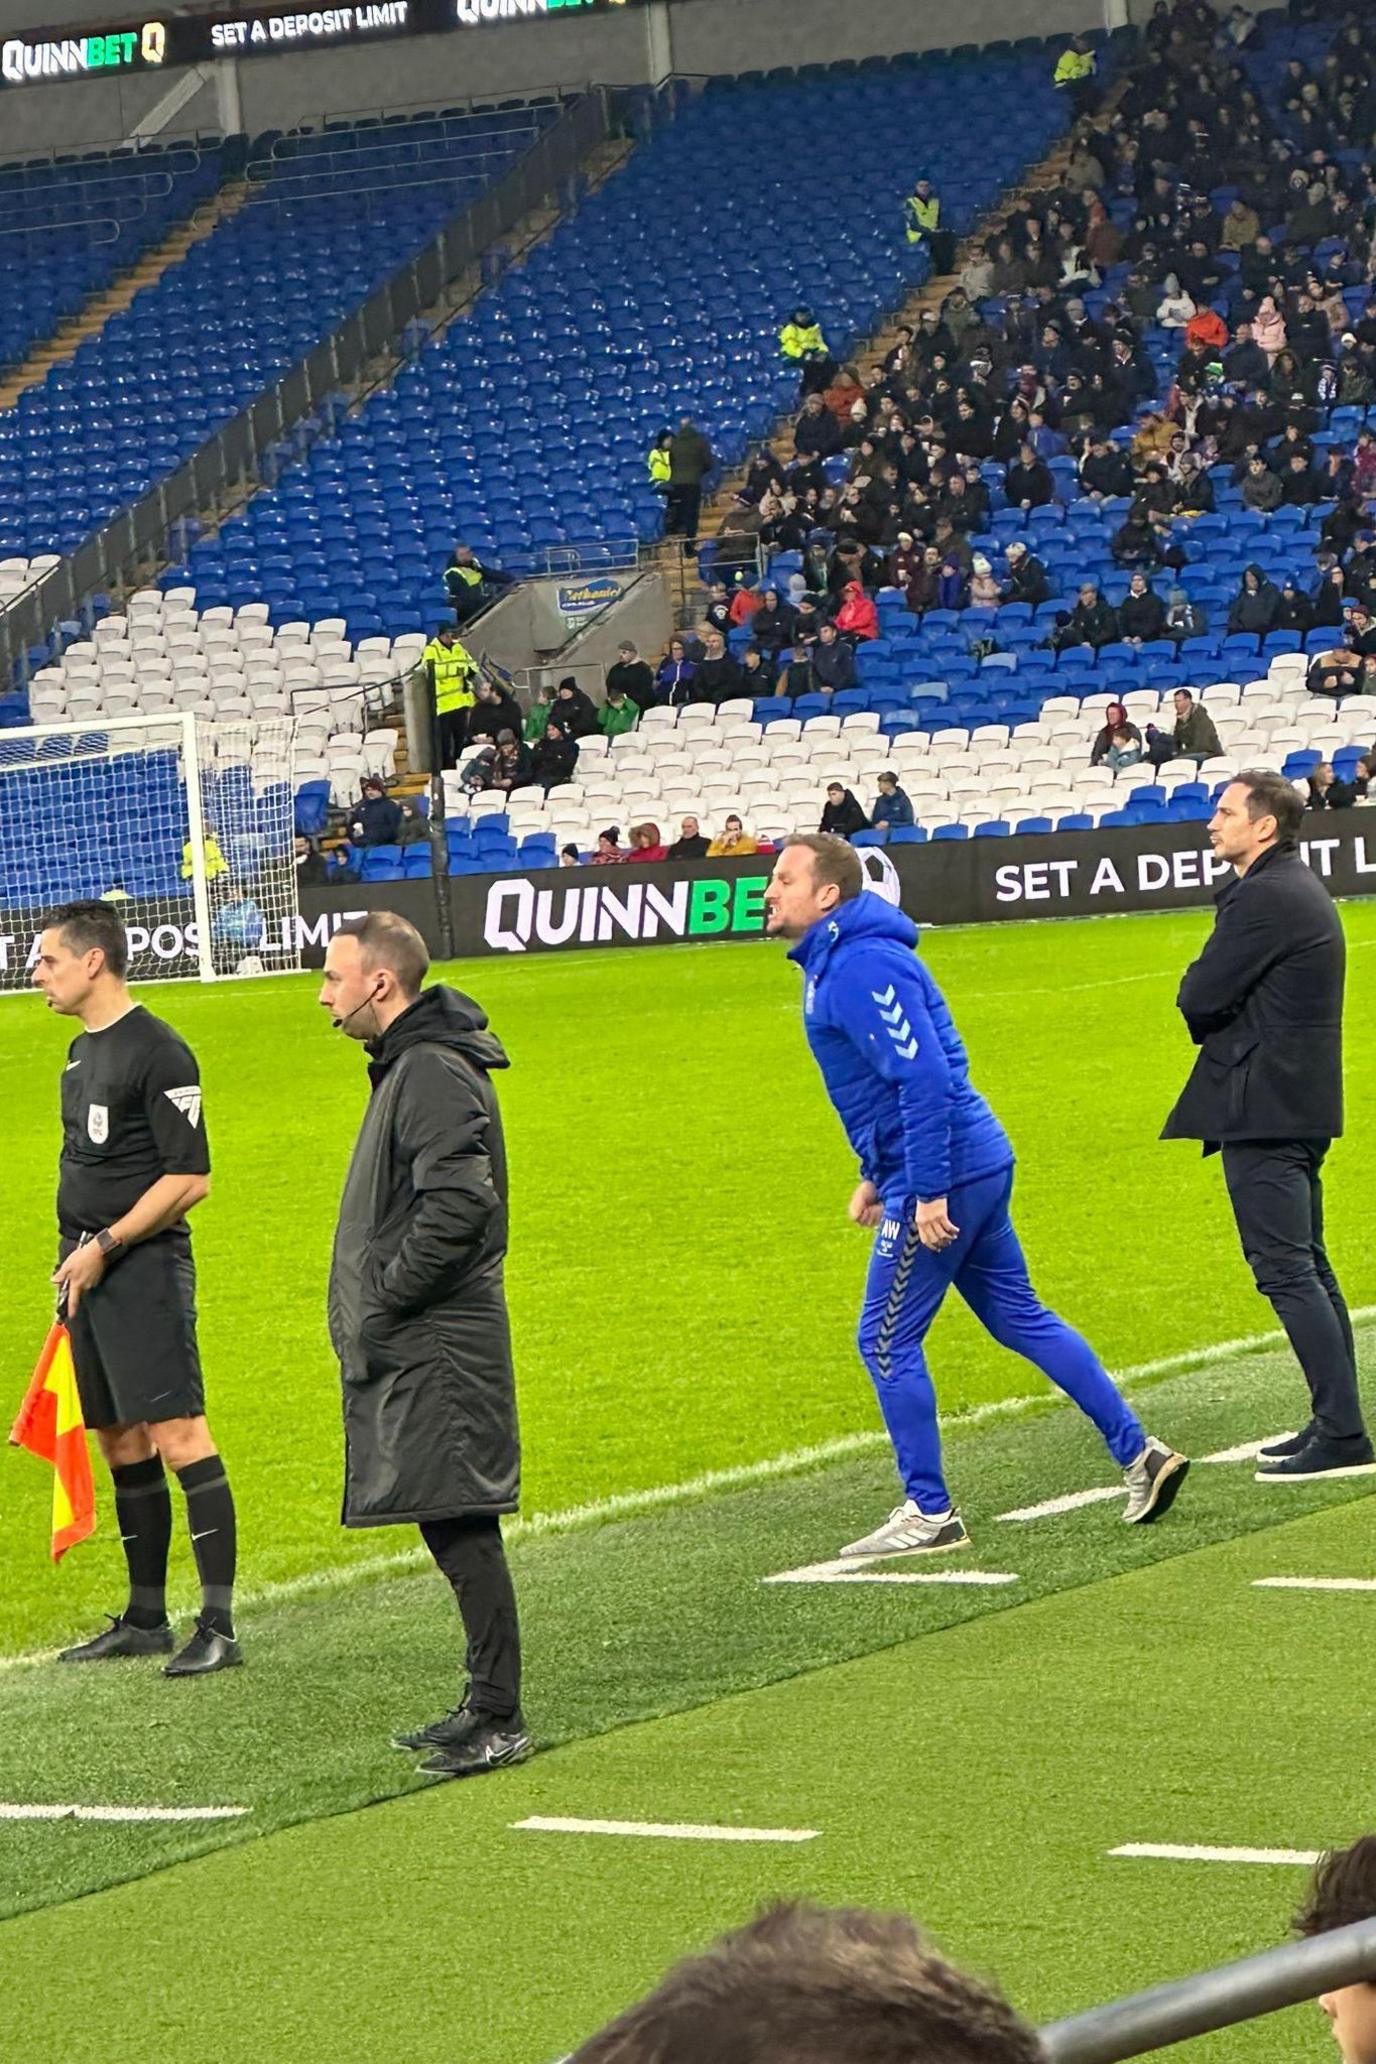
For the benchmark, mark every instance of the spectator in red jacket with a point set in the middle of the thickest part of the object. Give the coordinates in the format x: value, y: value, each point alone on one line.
x: 857, y: 617
x: 608, y: 851
x: 646, y: 843
x: 744, y: 604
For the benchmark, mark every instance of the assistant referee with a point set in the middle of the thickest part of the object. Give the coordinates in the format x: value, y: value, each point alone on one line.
x: 134, y: 1161
x: 1264, y: 1005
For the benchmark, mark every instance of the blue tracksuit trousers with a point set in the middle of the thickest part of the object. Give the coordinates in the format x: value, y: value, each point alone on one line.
x: 906, y: 1285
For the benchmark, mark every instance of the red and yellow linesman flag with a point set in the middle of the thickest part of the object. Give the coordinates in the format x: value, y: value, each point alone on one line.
x: 50, y: 1426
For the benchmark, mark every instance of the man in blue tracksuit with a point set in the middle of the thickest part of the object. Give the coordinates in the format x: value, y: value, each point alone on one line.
x: 936, y: 1171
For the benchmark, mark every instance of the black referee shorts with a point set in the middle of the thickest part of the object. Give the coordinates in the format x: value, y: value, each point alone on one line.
x: 134, y: 1338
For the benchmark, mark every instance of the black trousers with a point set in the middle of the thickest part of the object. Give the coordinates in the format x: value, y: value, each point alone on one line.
x: 682, y: 507
x: 1276, y: 1191
x: 451, y: 730
x: 469, y: 1551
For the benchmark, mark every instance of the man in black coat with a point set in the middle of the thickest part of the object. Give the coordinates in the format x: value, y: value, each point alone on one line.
x: 1264, y: 1004
x: 417, y: 1312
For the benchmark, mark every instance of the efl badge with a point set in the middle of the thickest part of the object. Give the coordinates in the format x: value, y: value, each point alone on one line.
x: 98, y: 1123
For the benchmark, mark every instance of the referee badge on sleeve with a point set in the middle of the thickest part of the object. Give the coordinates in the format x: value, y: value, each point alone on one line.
x: 98, y: 1123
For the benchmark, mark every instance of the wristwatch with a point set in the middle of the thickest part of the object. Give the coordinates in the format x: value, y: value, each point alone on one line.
x: 108, y: 1243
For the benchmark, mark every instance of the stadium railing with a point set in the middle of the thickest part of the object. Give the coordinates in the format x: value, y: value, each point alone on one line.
x: 114, y: 554
x: 1220, y: 1998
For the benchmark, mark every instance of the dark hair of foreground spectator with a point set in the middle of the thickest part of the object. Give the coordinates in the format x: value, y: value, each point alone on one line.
x: 801, y: 1985
x: 1342, y: 1890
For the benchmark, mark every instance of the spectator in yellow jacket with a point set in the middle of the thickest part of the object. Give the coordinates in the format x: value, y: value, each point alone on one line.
x: 733, y: 842
x: 803, y: 345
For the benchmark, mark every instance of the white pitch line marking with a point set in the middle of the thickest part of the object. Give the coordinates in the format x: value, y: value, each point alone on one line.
x: 14, y: 1811
x: 1191, y: 1852
x: 665, y: 1831
x: 1314, y: 1583
x: 739, y: 1476
x: 847, y: 1573
x: 1102, y: 1493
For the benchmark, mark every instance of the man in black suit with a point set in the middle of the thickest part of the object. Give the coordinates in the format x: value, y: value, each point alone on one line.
x: 1264, y: 1004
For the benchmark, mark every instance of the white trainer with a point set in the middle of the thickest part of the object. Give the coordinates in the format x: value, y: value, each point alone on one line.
x: 1152, y: 1482
x: 909, y: 1530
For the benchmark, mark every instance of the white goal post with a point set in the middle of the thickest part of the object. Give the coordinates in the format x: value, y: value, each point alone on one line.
x: 183, y: 824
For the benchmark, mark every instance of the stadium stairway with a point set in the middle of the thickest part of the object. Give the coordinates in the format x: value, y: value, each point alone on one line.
x: 62, y: 346
x: 381, y: 372
x: 930, y: 294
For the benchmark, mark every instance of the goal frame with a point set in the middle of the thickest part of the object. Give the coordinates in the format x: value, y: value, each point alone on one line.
x: 185, y: 726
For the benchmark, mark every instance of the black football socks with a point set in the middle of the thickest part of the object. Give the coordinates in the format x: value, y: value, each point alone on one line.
x: 210, y: 1521
x: 143, y: 1507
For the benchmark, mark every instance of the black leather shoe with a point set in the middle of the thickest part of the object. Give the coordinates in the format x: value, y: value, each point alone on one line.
x: 490, y: 1746
x: 1320, y: 1459
x: 120, y: 1639
x: 1285, y: 1444
x: 205, y: 1653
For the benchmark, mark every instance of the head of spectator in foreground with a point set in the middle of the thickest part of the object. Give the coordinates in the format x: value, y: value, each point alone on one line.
x: 1256, y: 812
x: 609, y: 841
x: 645, y: 838
x: 801, y: 1985
x: 569, y: 856
x: 1184, y: 702
x: 1343, y: 1890
x: 626, y: 652
x: 374, y: 967
x: 888, y: 784
x: 814, y: 874
x: 689, y: 827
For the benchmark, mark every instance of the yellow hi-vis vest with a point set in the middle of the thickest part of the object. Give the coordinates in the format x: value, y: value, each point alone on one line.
x: 452, y: 669
x: 1072, y: 65
x: 659, y: 466
x: 923, y: 217
x: 795, y: 341
x: 471, y: 576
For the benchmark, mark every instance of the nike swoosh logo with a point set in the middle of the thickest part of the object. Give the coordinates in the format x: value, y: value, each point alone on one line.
x: 206, y: 1535
x: 69, y: 1067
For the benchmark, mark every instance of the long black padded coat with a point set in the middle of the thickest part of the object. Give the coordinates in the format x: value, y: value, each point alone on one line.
x: 417, y: 1305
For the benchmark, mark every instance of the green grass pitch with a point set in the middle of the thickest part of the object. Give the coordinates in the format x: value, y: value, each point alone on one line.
x: 683, y: 1287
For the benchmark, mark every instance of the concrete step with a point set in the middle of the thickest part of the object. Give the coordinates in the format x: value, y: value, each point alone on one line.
x: 145, y: 271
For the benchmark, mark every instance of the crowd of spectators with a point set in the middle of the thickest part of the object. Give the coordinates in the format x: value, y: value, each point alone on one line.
x: 1013, y: 384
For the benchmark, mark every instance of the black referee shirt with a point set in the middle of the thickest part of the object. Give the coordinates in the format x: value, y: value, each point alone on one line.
x: 131, y: 1112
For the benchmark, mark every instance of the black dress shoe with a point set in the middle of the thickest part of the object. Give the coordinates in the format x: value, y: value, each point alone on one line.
x: 206, y: 1652
x: 1285, y: 1444
x: 1320, y: 1459
x: 120, y: 1639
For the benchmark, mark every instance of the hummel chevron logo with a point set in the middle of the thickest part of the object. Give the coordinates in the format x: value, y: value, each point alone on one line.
x: 895, y: 1023
x: 187, y: 1101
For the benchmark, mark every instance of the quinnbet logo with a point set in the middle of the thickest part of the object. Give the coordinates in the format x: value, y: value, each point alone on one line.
x: 521, y: 918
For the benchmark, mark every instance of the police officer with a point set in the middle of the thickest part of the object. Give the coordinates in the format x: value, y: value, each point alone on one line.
x: 134, y: 1162
x: 450, y: 669
x: 1264, y: 1005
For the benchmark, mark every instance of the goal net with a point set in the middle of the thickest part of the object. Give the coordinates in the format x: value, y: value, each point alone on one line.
x: 183, y: 824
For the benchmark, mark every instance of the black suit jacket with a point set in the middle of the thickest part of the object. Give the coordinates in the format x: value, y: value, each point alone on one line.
x: 1264, y: 1005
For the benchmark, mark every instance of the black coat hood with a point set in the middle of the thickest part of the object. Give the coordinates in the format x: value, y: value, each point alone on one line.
x: 440, y: 1016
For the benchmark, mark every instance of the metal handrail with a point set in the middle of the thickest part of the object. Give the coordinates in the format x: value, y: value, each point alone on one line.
x: 1187, y: 2007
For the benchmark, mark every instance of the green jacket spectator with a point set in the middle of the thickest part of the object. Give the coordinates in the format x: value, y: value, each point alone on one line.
x: 617, y: 715
x: 537, y: 716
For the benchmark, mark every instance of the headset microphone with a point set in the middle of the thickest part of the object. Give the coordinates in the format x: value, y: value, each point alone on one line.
x: 340, y: 1023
